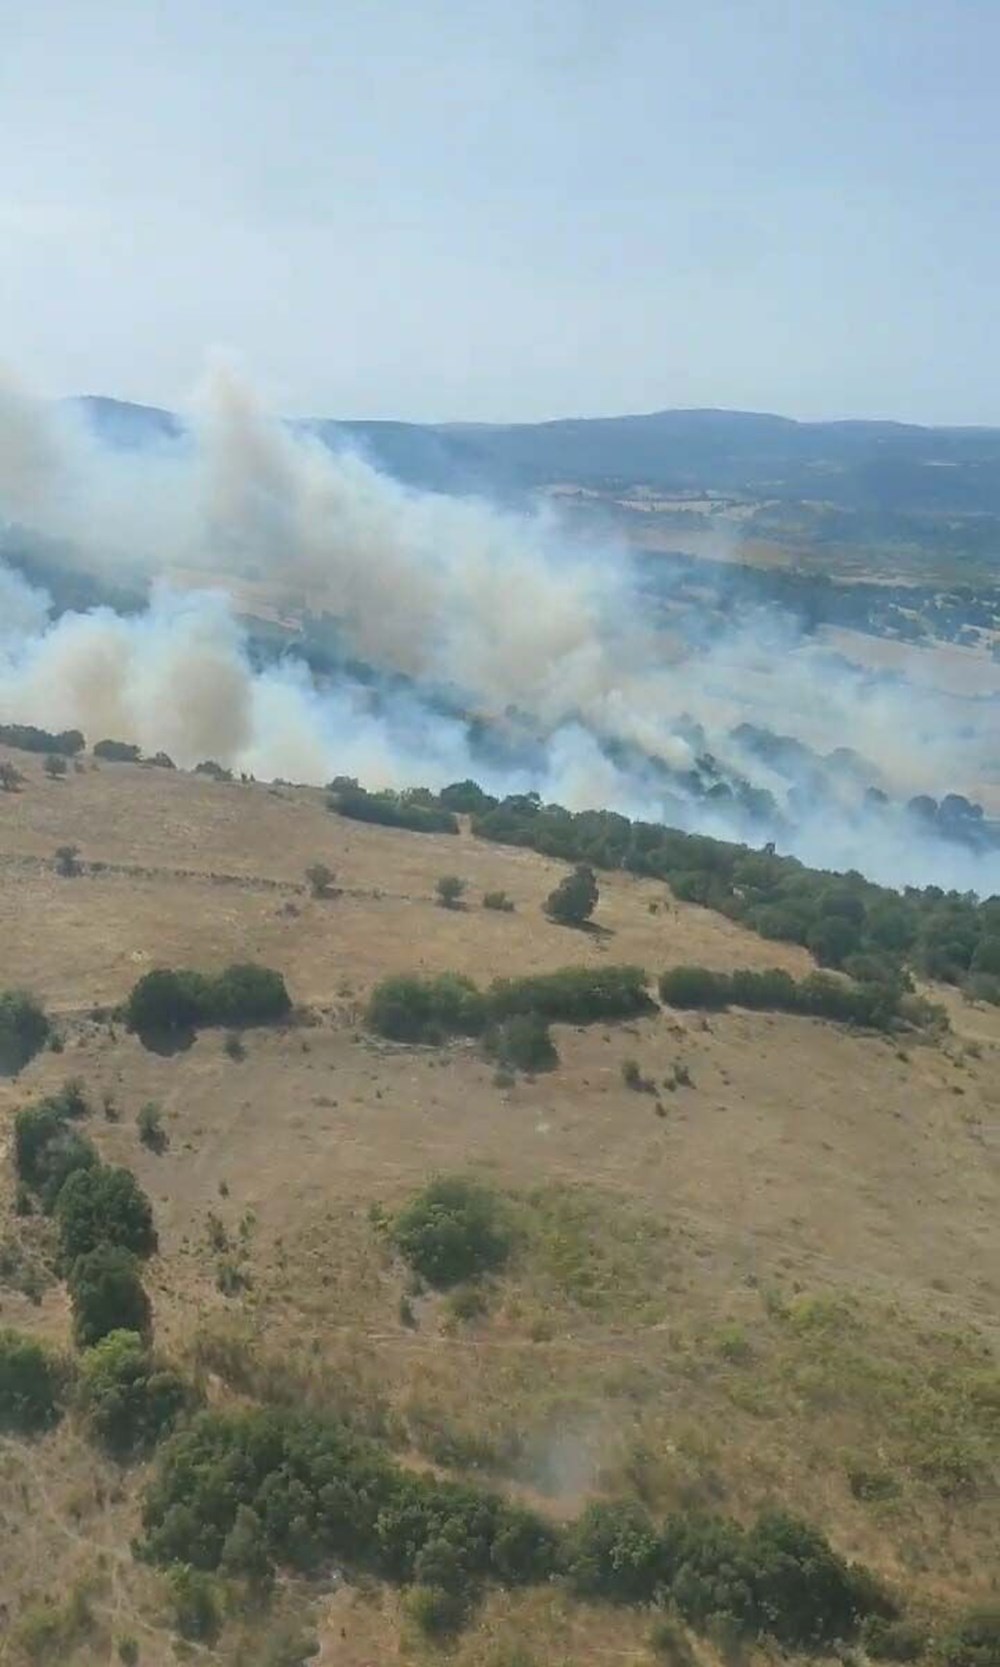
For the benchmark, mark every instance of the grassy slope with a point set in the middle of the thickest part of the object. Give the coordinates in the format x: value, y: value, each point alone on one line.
x: 784, y: 1288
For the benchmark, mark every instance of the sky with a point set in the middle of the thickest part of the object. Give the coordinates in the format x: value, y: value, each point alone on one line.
x: 443, y: 209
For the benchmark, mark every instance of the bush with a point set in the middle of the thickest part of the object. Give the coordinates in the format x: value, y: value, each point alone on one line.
x: 107, y: 1295
x: 100, y: 1205
x: 24, y: 1030
x: 437, y: 1611
x: 574, y: 899
x: 973, y: 1641
x: 55, y: 767
x: 46, y: 1151
x: 452, y: 1231
x: 149, y: 1122
x: 498, y: 900
x: 210, y: 767
x: 32, y: 1384
x: 574, y: 995
x: 467, y: 798
x: 194, y: 1605
x: 774, y: 990
x: 118, y: 752
x: 166, y: 1002
x: 26, y: 738
x: 10, y: 777
x: 449, y: 891
x: 129, y: 1400
x: 522, y: 1043
x: 320, y: 879
x: 613, y: 1551
x: 426, y: 1009
x: 68, y: 864
x: 885, y: 1639
x: 390, y: 810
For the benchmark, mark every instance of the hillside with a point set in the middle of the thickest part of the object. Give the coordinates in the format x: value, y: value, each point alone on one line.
x: 774, y: 1283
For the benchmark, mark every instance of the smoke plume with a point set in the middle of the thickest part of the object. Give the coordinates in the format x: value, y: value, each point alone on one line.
x: 466, y: 640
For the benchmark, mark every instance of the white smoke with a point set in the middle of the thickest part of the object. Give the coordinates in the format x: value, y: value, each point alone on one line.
x: 240, y: 513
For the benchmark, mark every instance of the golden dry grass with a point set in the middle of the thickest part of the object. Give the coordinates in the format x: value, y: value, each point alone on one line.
x: 758, y: 1287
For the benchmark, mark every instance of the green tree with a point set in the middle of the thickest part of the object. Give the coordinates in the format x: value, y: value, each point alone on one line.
x: 574, y: 899
x: 32, y: 1383
x: 129, y: 1400
x: 107, y: 1294
x: 449, y: 891
x: 24, y: 1030
x: 102, y: 1205
x: 452, y: 1231
x: 164, y: 1001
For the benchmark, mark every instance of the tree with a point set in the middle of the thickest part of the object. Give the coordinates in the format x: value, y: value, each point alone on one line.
x: 54, y: 766
x: 574, y: 899
x: 128, y: 1398
x: 320, y: 879
x: 68, y: 861
x: 24, y: 1030
x: 102, y: 1205
x: 31, y: 1385
x: 10, y: 777
x: 118, y: 752
x: 164, y: 1001
x: 523, y: 1043
x: 452, y: 1231
x: 449, y: 890
x: 107, y: 1295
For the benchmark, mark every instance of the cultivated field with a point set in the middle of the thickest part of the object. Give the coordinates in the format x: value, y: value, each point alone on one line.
x: 777, y: 1284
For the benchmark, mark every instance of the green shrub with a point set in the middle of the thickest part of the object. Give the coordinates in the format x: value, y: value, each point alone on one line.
x: 774, y: 990
x: 437, y: 1611
x: 467, y: 798
x: 972, y: 1641
x: 128, y: 1399
x: 103, y: 1205
x: 413, y: 1009
x: 194, y: 1605
x: 107, y: 1294
x: 613, y: 1551
x: 32, y: 1385
x: 574, y: 899
x: 450, y: 889
x: 885, y: 1639
x: 499, y: 901
x: 522, y: 1043
x: 452, y: 1231
x: 166, y: 1002
x: 47, y: 1151
x: 574, y: 995
x: 26, y: 738
x: 24, y: 1030
x: 149, y: 1122
x: 118, y: 752
x: 391, y: 810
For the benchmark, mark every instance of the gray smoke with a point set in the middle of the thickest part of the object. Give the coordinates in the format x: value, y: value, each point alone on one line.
x: 500, y: 614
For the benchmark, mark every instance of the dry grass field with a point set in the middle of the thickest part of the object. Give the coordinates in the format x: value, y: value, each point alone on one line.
x: 779, y: 1284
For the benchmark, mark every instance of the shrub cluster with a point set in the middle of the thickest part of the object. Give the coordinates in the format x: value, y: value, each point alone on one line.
x: 575, y: 995
x: 263, y: 1488
x: 105, y: 1220
x: 26, y: 738
x: 128, y: 1398
x: 416, y: 810
x: 776, y: 991
x: 24, y: 1030
x: 168, y: 1000
x: 429, y: 1009
x: 779, y: 1578
x: 945, y: 935
x: 522, y: 1043
x: 118, y: 752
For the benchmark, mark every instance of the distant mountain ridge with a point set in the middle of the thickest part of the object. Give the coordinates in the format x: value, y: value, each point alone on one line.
x: 857, y: 465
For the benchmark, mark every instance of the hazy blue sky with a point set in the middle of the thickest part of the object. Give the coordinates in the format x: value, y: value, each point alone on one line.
x: 440, y: 208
